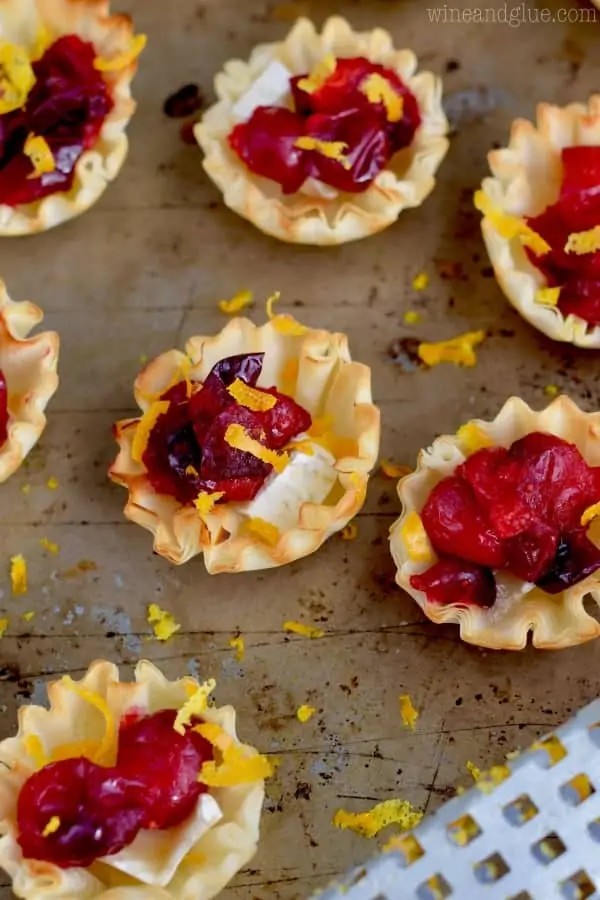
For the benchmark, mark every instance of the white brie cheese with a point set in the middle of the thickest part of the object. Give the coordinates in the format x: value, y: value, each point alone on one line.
x: 312, y: 187
x: 153, y: 857
x: 307, y: 479
x: 272, y: 88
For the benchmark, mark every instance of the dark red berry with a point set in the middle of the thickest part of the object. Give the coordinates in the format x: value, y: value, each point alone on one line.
x: 457, y: 582
x: 98, y: 810
x: 266, y: 143
x: 165, y: 765
x: 67, y: 106
x: 457, y: 527
x: 183, y: 102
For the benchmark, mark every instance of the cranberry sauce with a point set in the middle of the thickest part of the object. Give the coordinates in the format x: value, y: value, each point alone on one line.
x: 517, y: 509
x: 187, y: 452
x: 73, y: 812
x: 576, y: 210
x: 353, y: 136
x: 66, y: 106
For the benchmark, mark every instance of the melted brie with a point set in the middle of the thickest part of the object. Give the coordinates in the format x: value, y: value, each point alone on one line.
x: 272, y: 88
x: 307, y: 479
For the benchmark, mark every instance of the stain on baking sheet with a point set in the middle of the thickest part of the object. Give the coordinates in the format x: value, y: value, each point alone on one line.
x: 473, y: 104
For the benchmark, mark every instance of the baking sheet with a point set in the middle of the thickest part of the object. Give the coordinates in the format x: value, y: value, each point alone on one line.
x: 143, y: 271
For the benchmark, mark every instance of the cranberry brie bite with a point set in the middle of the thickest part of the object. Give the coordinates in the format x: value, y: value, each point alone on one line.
x: 254, y: 446
x: 66, y: 68
x: 324, y: 138
x: 28, y: 380
x: 541, y: 220
x: 499, y: 529
x: 128, y: 789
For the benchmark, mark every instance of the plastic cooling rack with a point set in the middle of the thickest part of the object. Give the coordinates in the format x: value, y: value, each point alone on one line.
x: 529, y: 830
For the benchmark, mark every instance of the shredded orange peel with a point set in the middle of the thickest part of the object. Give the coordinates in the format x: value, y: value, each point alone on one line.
x: 547, y: 296
x: 370, y: 823
x: 308, y: 631
x: 319, y: 74
x: 377, y: 89
x: 163, y: 622
x: 238, y: 438
x: 251, y: 398
x: 393, y: 470
x: 52, y: 826
x: 473, y: 438
x: 335, y: 150
x: 50, y: 546
x: 144, y: 428
x: 266, y: 531
x: 415, y: 539
x: 583, y: 242
x: 459, y: 350
x: 16, y: 77
x: 205, y: 502
x: 39, y: 153
x: 284, y: 324
x: 194, y: 705
x: 590, y: 513
x: 420, y: 282
x: 305, y: 712
x: 510, y: 227
x: 473, y: 771
x: 18, y: 574
x: 408, y: 713
x: 237, y: 303
x: 4, y: 623
x: 237, y: 644
x: 122, y: 60
x: 235, y: 767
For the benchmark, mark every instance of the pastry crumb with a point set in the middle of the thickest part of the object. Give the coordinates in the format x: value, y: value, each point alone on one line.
x: 162, y: 621
x: 25, y: 489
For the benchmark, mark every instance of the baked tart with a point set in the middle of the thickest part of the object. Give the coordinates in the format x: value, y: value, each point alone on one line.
x: 498, y: 531
x: 254, y: 446
x: 541, y: 220
x: 126, y: 790
x: 28, y: 380
x: 324, y: 138
x: 66, y: 68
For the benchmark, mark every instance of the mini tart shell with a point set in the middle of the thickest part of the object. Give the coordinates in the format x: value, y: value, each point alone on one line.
x: 29, y: 366
x: 328, y: 383
x: 224, y: 849
x: 21, y: 22
x: 526, y: 180
x: 298, y: 218
x: 556, y: 621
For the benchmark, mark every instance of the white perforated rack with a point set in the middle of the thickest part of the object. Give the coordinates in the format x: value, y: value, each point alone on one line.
x: 530, y: 830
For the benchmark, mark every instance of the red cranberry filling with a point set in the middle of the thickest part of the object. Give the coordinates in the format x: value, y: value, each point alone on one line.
x: 3, y: 409
x: 338, y: 111
x: 67, y: 107
x: 187, y: 452
x: 577, y: 209
x: 517, y: 509
x: 98, y: 811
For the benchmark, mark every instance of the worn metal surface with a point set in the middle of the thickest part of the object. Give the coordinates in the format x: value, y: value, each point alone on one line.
x: 141, y: 272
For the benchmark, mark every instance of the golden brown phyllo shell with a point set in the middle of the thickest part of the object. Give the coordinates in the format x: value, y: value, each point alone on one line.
x: 341, y: 217
x: 315, y: 369
x: 554, y: 620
